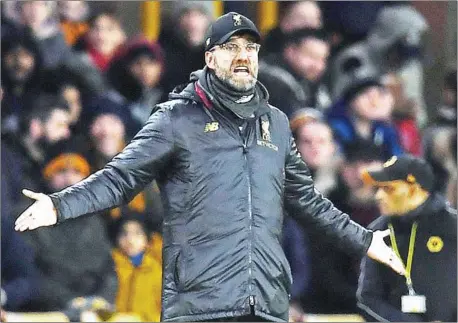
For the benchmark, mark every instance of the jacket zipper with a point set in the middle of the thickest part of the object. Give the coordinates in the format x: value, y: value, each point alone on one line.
x: 130, y: 297
x: 250, y: 212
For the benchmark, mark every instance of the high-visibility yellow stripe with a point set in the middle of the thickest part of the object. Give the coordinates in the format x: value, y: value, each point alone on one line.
x: 218, y: 8
x: 151, y: 19
x: 267, y: 15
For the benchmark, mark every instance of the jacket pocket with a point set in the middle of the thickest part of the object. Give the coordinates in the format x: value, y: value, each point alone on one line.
x: 179, y: 271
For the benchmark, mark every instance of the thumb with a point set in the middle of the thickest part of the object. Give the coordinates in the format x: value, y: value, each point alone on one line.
x: 31, y: 194
x: 385, y: 233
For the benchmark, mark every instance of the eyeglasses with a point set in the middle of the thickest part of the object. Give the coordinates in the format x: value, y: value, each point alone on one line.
x: 235, y: 49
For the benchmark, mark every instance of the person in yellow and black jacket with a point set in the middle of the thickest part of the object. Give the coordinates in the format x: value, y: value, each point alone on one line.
x: 423, y: 233
x: 138, y: 260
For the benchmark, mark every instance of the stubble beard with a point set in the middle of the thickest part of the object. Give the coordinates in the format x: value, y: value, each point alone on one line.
x: 226, y: 76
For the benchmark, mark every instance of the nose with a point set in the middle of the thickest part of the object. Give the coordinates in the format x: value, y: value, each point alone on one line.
x: 243, y: 54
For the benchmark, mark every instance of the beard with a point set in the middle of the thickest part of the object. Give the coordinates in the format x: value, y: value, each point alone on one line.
x: 236, y: 82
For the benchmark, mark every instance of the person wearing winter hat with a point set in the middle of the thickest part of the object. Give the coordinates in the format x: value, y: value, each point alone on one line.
x: 362, y: 109
x: 135, y: 75
x: 222, y: 257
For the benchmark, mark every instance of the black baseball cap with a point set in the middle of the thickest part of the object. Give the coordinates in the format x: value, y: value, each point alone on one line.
x: 405, y: 168
x: 228, y: 25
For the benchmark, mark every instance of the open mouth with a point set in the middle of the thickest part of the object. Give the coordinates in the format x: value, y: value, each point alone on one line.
x: 242, y: 71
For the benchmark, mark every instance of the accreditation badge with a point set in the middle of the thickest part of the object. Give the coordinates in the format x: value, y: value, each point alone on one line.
x: 413, y: 304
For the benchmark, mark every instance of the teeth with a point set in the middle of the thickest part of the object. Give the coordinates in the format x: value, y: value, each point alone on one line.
x: 241, y: 69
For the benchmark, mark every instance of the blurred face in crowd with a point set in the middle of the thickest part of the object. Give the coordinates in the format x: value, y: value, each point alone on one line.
x: 398, y: 197
x: 351, y: 172
x: 72, y: 96
x: 235, y: 62
x: 106, y: 34
x: 73, y: 10
x: 64, y: 178
x: 449, y: 97
x: 52, y: 130
x: 35, y: 13
x: 373, y: 103
x: 132, y: 239
x: 304, y: 14
x: 316, y: 144
x: 309, y: 58
x: 193, y: 25
x: 19, y: 63
x: 107, y: 133
x: 146, y: 70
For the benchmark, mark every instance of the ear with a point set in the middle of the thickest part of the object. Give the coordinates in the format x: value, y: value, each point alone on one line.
x: 210, y: 60
x: 414, y: 189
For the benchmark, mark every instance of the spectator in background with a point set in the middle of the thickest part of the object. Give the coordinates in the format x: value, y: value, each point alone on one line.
x: 135, y: 75
x: 362, y: 109
x: 21, y: 78
x: 350, y: 194
x: 74, y: 259
x: 296, y: 15
x: 20, y: 277
x: 423, y: 227
x: 70, y: 86
x: 45, y: 122
x: 315, y: 143
x: 293, y: 78
x: 438, y: 138
x: 404, y: 115
x: 350, y: 21
x: 40, y: 17
x: 138, y: 261
x: 103, y: 38
x: 394, y: 44
x: 335, y: 292
x: 73, y: 19
x: 183, y: 43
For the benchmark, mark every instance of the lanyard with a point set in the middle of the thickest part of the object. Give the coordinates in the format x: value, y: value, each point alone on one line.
x: 413, y: 234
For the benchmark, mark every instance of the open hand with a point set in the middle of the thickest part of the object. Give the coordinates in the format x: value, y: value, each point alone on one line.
x: 378, y: 250
x: 39, y: 214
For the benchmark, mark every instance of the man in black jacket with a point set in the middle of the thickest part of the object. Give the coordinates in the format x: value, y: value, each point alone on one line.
x: 226, y: 164
x: 423, y: 232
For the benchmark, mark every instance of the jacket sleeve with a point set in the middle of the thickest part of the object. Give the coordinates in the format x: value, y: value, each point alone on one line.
x: 125, y: 176
x: 371, y: 296
x: 310, y: 208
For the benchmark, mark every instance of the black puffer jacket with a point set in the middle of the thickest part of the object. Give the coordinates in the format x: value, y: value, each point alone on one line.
x: 223, y: 192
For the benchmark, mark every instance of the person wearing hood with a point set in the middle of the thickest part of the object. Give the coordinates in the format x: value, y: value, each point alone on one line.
x: 135, y: 75
x: 423, y: 233
x: 183, y: 43
x: 21, y: 78
x: 226, y: 164
x: 394, y: 44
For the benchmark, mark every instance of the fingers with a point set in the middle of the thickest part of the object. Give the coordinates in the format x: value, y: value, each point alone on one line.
x: 31, y: 194
x: 396, y: 264
x: 385, y: 233
x: 24, y: 218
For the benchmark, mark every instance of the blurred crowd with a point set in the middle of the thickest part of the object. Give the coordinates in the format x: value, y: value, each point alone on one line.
x: 75, y: 89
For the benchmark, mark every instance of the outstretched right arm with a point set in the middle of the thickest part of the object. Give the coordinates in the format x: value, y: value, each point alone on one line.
x: 118, y: 182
